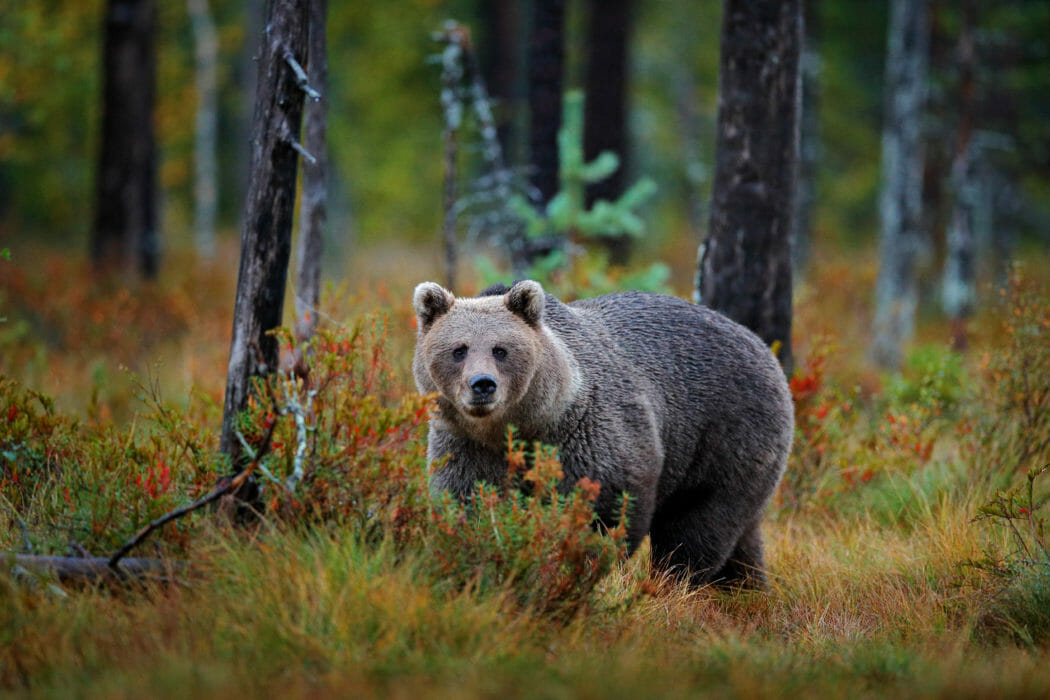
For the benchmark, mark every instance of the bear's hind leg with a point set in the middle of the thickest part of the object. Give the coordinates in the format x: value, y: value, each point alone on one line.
x: 693, y: 536
x: 745, y: 567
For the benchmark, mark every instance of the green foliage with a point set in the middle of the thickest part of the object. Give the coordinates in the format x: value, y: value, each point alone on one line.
x: 569, y: 268
x: 566, y: 214
x: 566, y: 217
x: 933, y: 377
x: 49, y: 91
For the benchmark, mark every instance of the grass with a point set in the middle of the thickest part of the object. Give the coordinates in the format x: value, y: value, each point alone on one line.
x: 881, y: 580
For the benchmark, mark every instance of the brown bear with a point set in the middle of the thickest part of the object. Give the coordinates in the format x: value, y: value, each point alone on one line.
x: 670, y: 402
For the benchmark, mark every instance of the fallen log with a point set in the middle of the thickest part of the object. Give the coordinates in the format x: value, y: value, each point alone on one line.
x: 97, y: 569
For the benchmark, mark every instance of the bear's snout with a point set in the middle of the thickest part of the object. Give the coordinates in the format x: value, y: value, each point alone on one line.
x: 482, y: 387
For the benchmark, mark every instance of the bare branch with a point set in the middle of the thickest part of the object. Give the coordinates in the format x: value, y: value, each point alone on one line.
x: 226, y: 485
x: 300, y: 77
x: 298, y: 148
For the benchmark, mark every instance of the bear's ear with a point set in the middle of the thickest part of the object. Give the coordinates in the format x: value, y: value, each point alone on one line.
x: 430, y: 301
x: 526, y: 299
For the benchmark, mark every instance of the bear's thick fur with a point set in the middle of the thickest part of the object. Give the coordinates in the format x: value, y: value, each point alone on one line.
x: 671, y: 402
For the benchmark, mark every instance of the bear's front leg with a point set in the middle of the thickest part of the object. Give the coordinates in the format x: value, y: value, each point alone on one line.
x: 458, y: 463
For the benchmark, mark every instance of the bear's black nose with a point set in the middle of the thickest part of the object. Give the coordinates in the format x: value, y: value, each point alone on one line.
x: 483, y: 386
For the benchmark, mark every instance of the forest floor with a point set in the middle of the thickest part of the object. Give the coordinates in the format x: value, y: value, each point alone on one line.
x: 907, y: 546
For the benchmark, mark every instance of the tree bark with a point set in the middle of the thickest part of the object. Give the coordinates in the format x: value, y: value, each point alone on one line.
x: 605, y: 108
x: 501, y: 65
x: 546, y: 80
x: 809, y: 141
x: 266, y: 237
x: 959, y: 290
x: 205, y: 187
x: 900, y: 200
x: 124, y: 235
x: 313, y: 211
x: 744, y: 268
x: 97, y: 569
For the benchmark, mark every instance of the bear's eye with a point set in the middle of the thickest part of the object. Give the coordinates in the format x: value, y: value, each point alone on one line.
x: 499, y: 353
x: 459, y: 353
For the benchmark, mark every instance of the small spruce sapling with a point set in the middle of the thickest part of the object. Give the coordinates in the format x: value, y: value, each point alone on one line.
x: 567, y: 214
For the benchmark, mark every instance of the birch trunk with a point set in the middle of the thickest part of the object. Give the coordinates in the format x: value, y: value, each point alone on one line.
x: 959, y: 286
x: 205, y: 187
x: 900, y: 200
x: 313, y: 211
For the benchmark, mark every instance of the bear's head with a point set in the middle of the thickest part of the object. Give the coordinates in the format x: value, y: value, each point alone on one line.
x: 481, y: 353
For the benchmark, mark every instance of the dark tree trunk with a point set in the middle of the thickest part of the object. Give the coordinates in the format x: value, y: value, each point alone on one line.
x: 268, y: 209
x: 605, y: 109
x: 124, y: 235
x: 900, y: 200
x: 247, y: 69
x: 745, y: 264
x: 501, y: 64
x: 313, y: 212
x: 959, y: 282
x: 546, y: 79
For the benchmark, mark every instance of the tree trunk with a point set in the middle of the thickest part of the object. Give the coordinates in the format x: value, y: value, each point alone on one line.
x: 124, y: 235
x: 501, y: 65
x: 605, y: 109
x: 545, y: 85
x: 959, y: 289
x: 205, y: 188
x: 900, y: 201
x: 809, y: 141
x: 313, y: 212
x: 546, y: 79
x: 745, y: 263
x: 247, y: 68
x: 268, y: 209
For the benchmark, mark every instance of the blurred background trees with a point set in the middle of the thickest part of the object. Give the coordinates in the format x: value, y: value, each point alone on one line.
x: 124, y: 235
x: 386, y: 124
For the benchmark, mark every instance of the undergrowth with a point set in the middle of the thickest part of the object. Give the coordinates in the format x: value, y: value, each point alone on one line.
x: 907, y: 546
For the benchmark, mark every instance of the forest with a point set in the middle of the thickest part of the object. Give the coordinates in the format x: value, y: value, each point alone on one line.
x: 214, y: 475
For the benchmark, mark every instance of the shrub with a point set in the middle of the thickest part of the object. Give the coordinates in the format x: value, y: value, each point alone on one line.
x: 538, y: 541
x: 1013, y: 432
x: 347, y: 444
x: 88, y: 487
x: 934, y: 378
x: 1020, y: 607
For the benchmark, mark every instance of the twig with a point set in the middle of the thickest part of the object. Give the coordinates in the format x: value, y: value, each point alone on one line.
x: 226, y: 485
x: 300, y: 76
x: 298, y: 148
x: 27, y: 543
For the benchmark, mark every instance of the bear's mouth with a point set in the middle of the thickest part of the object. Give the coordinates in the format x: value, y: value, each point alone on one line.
x: 479, y: 407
